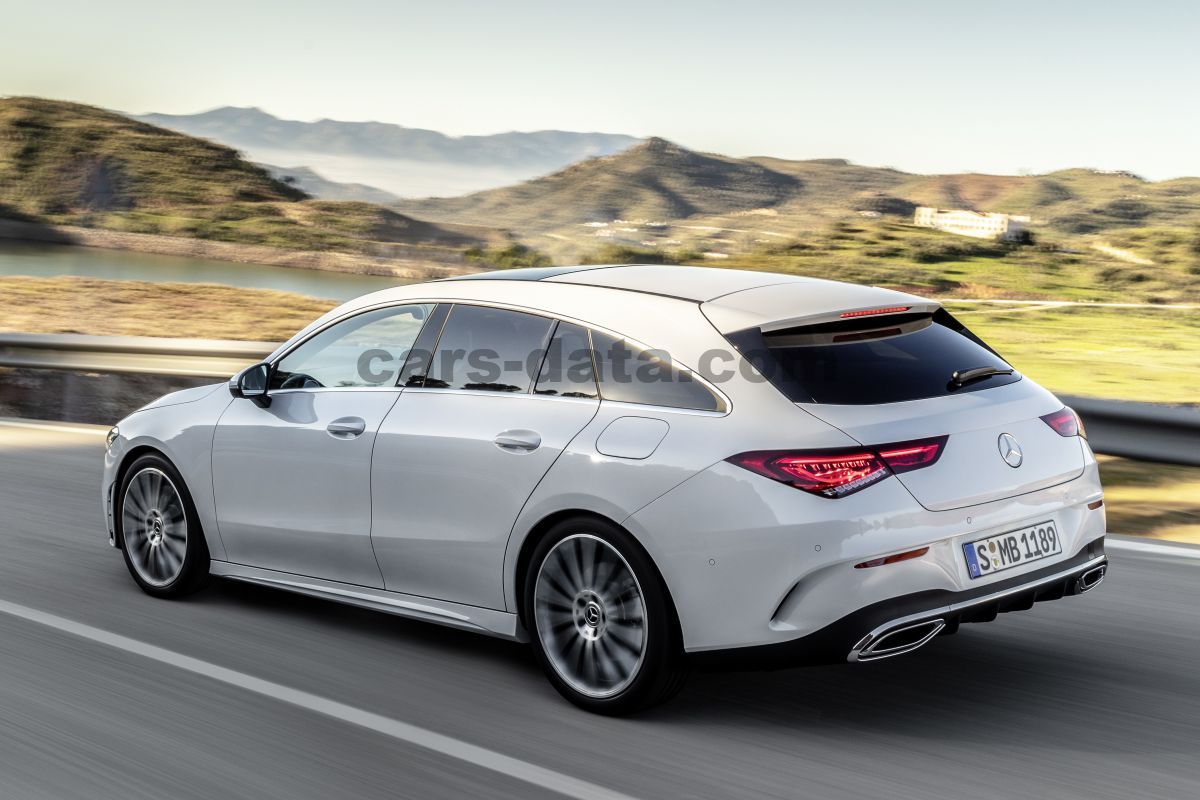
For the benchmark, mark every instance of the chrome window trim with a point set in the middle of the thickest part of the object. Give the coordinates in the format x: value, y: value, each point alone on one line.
x: 320, y: 389
x: 699, y: 412
x: 484, y: 393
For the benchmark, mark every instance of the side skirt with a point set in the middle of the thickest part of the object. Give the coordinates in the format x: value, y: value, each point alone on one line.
x: 455, y: 615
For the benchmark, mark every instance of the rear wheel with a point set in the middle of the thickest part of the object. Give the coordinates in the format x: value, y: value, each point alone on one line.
x: 162, y: 541
x: 602, y: 623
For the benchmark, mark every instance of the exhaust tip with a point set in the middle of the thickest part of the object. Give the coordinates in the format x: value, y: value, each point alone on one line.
x: 1090, y: 579
x: 896, y: 641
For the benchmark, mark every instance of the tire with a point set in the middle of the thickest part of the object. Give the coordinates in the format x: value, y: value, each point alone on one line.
x: 160, y: 532
x: 603, y: 626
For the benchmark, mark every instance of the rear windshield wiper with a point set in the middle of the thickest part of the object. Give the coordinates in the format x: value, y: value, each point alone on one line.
x: 962, y: 377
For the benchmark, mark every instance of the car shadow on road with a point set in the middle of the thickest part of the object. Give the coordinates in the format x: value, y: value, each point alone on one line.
x: 989, y: 686
x: 368, y: 624
x: 980, y: 687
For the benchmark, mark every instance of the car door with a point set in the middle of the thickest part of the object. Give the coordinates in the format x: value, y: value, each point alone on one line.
x: 466, y: 444
x: 292, y: 476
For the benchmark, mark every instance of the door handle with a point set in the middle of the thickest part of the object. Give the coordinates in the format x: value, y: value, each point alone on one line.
x: 518, y: 441
x: 346, y: 427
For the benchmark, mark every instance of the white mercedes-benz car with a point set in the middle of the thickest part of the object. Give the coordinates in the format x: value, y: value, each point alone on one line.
x: 635, y: 468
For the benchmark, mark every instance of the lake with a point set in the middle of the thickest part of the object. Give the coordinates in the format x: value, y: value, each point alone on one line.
x: 53, y: 260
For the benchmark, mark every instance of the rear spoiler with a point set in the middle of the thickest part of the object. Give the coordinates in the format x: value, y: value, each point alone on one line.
x: 791, y: 305
x: 882, y: 312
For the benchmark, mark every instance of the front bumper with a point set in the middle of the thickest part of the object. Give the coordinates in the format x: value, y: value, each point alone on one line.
x: 902, y: 624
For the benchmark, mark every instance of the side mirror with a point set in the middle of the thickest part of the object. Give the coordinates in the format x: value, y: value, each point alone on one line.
x: 251, y: 383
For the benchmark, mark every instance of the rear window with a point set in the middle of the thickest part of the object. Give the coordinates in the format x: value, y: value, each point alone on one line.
x: 887, y: 359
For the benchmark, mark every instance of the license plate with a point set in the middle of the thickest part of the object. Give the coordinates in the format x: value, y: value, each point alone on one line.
x: 1007, y: 550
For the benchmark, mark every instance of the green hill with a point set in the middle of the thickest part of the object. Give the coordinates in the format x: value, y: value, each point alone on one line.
x: 61, y: 158
x: 65, y: 163
x: 656, y: 180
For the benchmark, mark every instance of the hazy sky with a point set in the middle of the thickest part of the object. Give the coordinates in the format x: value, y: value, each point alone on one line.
x: 924, y: 86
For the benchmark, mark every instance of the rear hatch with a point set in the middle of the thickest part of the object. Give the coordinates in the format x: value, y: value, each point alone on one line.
x: 906, y: 371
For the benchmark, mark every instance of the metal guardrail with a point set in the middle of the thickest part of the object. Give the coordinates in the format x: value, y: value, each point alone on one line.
x: 1143, y: 431
x: 202, y: 358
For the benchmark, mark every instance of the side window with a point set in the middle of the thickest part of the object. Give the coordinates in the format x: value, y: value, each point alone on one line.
x: 629, y: 375
x: 567, y: 370
x: 489, y: 349
x: 366, y: 350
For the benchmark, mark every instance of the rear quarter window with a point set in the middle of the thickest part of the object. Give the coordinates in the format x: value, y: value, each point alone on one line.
x: 628, y: 374
x: 887, y: 359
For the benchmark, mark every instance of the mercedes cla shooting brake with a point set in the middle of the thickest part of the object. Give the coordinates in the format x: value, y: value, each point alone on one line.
x: 633, y: 468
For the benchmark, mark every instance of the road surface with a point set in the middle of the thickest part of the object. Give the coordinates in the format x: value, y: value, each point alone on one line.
x: 245, y: 692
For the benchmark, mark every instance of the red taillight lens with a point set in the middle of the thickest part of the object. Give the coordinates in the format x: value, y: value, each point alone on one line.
x: 829, y: 474
x: 913, y: 455
x: 1065, y: 422
x: 837, y: 473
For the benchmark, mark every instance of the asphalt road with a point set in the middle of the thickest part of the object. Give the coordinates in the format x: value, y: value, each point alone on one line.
x: 246, y: 692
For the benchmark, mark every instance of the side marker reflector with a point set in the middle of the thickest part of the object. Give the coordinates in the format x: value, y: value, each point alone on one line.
x: 879, y: 562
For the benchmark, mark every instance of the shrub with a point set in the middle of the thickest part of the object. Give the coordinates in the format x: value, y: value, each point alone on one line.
x: 512, y: 257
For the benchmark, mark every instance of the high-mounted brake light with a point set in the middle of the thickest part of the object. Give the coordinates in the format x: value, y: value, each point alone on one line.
x: 837, y: 473
x: 1065, y: 422
x: 873, y: 311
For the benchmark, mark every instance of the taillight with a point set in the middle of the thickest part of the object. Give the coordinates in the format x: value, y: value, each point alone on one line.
x: 837, y: 473
x: 1065, y: 422
x: 906, y: 456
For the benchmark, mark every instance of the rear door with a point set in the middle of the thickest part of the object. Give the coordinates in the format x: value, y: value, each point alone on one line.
x: 464, y: 447
x: 891, y: 378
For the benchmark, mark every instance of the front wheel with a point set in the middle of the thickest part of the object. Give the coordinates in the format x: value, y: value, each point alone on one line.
x: 162, y: 541
x: 602, y: 623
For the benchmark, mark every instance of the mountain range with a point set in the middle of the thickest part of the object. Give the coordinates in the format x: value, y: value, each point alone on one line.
x: 68, y: 163
x: 312, y: 183
x: 404, y: 161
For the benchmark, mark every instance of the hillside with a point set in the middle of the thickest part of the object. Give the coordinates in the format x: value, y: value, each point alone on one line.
x: 409, y: 162
x: 65, y: 163
x: 64, y: 158
x: 656, y: 180
x: 659, y: 201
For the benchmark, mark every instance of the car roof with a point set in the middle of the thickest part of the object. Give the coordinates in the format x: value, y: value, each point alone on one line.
x: 696, y: 284
x: 732, y: 299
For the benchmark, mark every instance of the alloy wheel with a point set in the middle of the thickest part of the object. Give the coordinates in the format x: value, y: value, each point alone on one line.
x: 154, y: 526
x: 590, y: 615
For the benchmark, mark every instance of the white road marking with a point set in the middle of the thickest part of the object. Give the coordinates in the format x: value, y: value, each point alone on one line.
x: 59, y: 427
x: 1152, y: 547
x: 541, y: 777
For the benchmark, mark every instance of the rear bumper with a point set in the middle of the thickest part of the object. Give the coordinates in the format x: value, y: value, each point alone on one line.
x: 902, y: 624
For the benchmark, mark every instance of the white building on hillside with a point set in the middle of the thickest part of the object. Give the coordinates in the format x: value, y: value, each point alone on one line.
x: 1005, y: 227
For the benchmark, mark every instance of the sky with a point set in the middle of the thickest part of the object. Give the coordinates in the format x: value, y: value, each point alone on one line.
x: 923, y: 86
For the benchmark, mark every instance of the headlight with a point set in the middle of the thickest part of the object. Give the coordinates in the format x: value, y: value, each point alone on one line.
x: 112, y: 437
